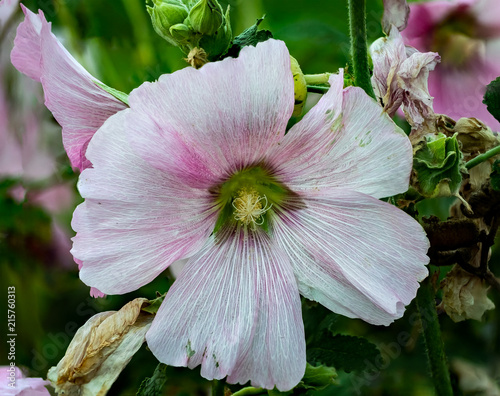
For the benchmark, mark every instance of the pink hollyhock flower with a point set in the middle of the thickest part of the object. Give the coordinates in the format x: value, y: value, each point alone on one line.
x: 466, y: 33
x: 199, y: 167
x: 13, y: 382
x: 71, y: 93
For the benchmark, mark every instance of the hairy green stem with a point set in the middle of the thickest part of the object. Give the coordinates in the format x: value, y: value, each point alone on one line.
x: 359, y: 48
x: 483, y: 157
x: 433, y: 341
x: 218, y: 388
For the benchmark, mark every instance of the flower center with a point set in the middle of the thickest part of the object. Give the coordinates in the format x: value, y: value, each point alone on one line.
x: 247, y: 197
x: 248, y: 207
x: 458, y: 40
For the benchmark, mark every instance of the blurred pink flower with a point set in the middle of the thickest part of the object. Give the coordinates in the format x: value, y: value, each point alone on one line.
x: 7, y: 9
x: 199, y: 167
x: 466, y: 34
x: 71, y: 93
x: 23, y: 386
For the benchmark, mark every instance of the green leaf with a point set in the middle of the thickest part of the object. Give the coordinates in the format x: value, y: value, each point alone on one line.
x: 495, y: 175
x: 492, y: 98
x: 343, y: 352
x: 315, y: 378
x: 154, y: 386
x: 437, y: 166
x: 318, y: 377
x: 317, y: 319
x: 154, y: 305
x: 121, y: 96
x: 276, y: 392
x: 250, y: 36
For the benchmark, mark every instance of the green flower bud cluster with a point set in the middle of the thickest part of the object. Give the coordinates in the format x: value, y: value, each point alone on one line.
x: 189, y: 24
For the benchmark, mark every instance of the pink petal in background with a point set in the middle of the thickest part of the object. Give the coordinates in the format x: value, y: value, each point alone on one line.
x: 71, y: 93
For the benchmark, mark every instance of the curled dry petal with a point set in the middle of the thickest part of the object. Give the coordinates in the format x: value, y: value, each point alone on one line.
x: 396, y: 13
x: 388, y: 53
x: 100, y: 350
x: 465, y: 296
x: 412, y: 78
x: 475, y: 136
x: 400, y: 77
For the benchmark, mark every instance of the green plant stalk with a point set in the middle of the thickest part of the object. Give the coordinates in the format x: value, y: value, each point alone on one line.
x: 218, y: 388
x: 359, y: 48
x: 433, y: 341
x: 483, y: 157
x: 250, y: 390
x: 317, y: 79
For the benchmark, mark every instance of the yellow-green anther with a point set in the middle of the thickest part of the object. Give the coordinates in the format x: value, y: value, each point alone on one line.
x: 206, y: 17
x: 164, y: 15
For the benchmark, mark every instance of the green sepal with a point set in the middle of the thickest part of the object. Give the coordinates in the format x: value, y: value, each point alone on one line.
x: 154, y: 305
x: 181, y: 34
x: 343, y: 352
x: 495, y: 175
x: 492, y: 98
x: 250, y: 36
x: 121, y: 96
x: 154, y: 386
x: 437, y: 166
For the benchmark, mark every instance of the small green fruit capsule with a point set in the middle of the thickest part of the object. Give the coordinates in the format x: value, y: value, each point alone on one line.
x: 206, y: 17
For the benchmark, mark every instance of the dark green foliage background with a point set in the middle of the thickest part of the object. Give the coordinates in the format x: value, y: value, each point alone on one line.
x: 125, y: 51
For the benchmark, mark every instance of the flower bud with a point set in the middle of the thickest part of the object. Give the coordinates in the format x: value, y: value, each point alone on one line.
x: 165, y: 14
x: 300, y: 87
x: 206, y: 17
x: 217, y: 44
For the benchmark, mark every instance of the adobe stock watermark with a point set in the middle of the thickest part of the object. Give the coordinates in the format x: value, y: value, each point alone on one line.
x: 11, y: 336
x: 390, y: 351
x: 59, y: 341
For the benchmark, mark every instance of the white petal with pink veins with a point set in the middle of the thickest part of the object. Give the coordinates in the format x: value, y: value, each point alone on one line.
x: 359, y: 148
x: 358, y: 256
x: 235, y: 309
x: 136, y: 220
x: 218, y: 119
